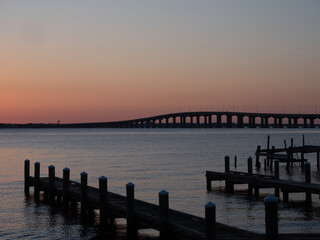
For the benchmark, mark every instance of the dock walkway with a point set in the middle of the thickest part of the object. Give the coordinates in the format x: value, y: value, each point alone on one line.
x: 146, y: 215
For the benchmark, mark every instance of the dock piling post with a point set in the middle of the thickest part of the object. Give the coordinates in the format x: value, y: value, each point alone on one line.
x: 227, y: 164
x: 277, y: 176
x: 229, y: 185
x: 210, y: 215
x: 257, y: 157
x: 250, y: 188
x: 26, y: 176
x: 272, y: 156
x: 131, y: 225
x: 235, y: 161
x: 51, y: 170
x: 66, y: 180
x: 271, y: 217
x: 84, y: 194
x: 36, y: 180
x: 318, y: 160
x: 164, y: 214
x: 307, y: 172
x: 250, y: 165
x: 103, y: 195
x: 208, y: 184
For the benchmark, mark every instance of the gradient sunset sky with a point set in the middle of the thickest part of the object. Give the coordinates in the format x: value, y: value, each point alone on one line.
x: 80, y: 61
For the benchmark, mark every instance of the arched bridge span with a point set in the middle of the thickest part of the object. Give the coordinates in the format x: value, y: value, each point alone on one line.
x: 218, y: 120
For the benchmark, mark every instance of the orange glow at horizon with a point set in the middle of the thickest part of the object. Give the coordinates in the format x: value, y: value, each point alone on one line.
x: 94, y: 64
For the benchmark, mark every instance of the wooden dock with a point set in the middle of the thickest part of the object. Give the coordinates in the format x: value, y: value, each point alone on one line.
x: 170, y: 223
x: 288, y: 155
x: 258, y: 181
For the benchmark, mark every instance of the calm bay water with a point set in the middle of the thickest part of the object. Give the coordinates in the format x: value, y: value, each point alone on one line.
x: 153, y: 159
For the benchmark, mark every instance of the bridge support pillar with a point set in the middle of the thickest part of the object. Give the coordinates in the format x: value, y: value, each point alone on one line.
x: 210, y: 121
x: 305, y: 122
x: 229, y: 121
x: 312, y: 122
x: 266, y: 122
x: 280, y: 122
x: 219, y: 121
x: 289, y: 122
x: 240, y: 122
x: 295, y: 122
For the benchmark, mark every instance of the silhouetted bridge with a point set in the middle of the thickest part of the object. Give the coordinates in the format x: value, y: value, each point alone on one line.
x: 201, y: 120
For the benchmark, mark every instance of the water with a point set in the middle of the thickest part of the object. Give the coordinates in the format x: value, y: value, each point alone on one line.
x: 153, y: 159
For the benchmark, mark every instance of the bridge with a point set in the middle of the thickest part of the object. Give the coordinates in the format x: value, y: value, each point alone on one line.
x: 214, y: 120
x: 208, y: 119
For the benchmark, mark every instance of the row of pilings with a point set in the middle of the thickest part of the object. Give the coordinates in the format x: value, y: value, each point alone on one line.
x: 51, y: 194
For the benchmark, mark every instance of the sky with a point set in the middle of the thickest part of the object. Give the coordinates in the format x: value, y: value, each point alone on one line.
x: 83, y: 61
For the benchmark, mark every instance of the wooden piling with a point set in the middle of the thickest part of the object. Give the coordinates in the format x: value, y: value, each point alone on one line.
x: 272, y: 158
x: 271, y: 217
x: 131, y: 224
x: 226, y: 164
x: 210, y: 218
x: 229, y: 185
x: 66, y: 181
x: 51, y: 170
x: 36, y: 180
x: 209, y: 185
x: 250, y: 165
x: 250, y: 188
x: 164, y: 214
x: 318, y: 160
x: 257, y: 156
x: 277, y: 176
x: 235, y: 161
x: 103, y: 195
x: 26, y: 176
x: 84, y: 194
x: 307, y: 172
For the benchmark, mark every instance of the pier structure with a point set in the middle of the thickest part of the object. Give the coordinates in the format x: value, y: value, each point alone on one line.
x: 204, y: 119
x: 289, y: 154
x: 170, y: 223
x: 259, y: 181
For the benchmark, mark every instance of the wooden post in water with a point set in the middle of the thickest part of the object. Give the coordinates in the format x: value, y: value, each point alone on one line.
x: 272, y: 158
x: 210, y: 216
x: 26, y: 176
x: 131, y: 224
x: 36, y: 181
x: 51, y: 170
x: 164, y: 214
x: 268, y: 150
x: 227, y: 164
x: 307, y: 172
x: 277, y: 176
x: 103, y: 195
x: 229, y: 185
x: 84, y: 194
x: 250, y: 188
x: 235, y: 161
x: 318, y: 160
x: 257, y: 157
x: 271, y: 217
x: 208, y: 184
x: 302, y: 152
x: 65, y: 194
